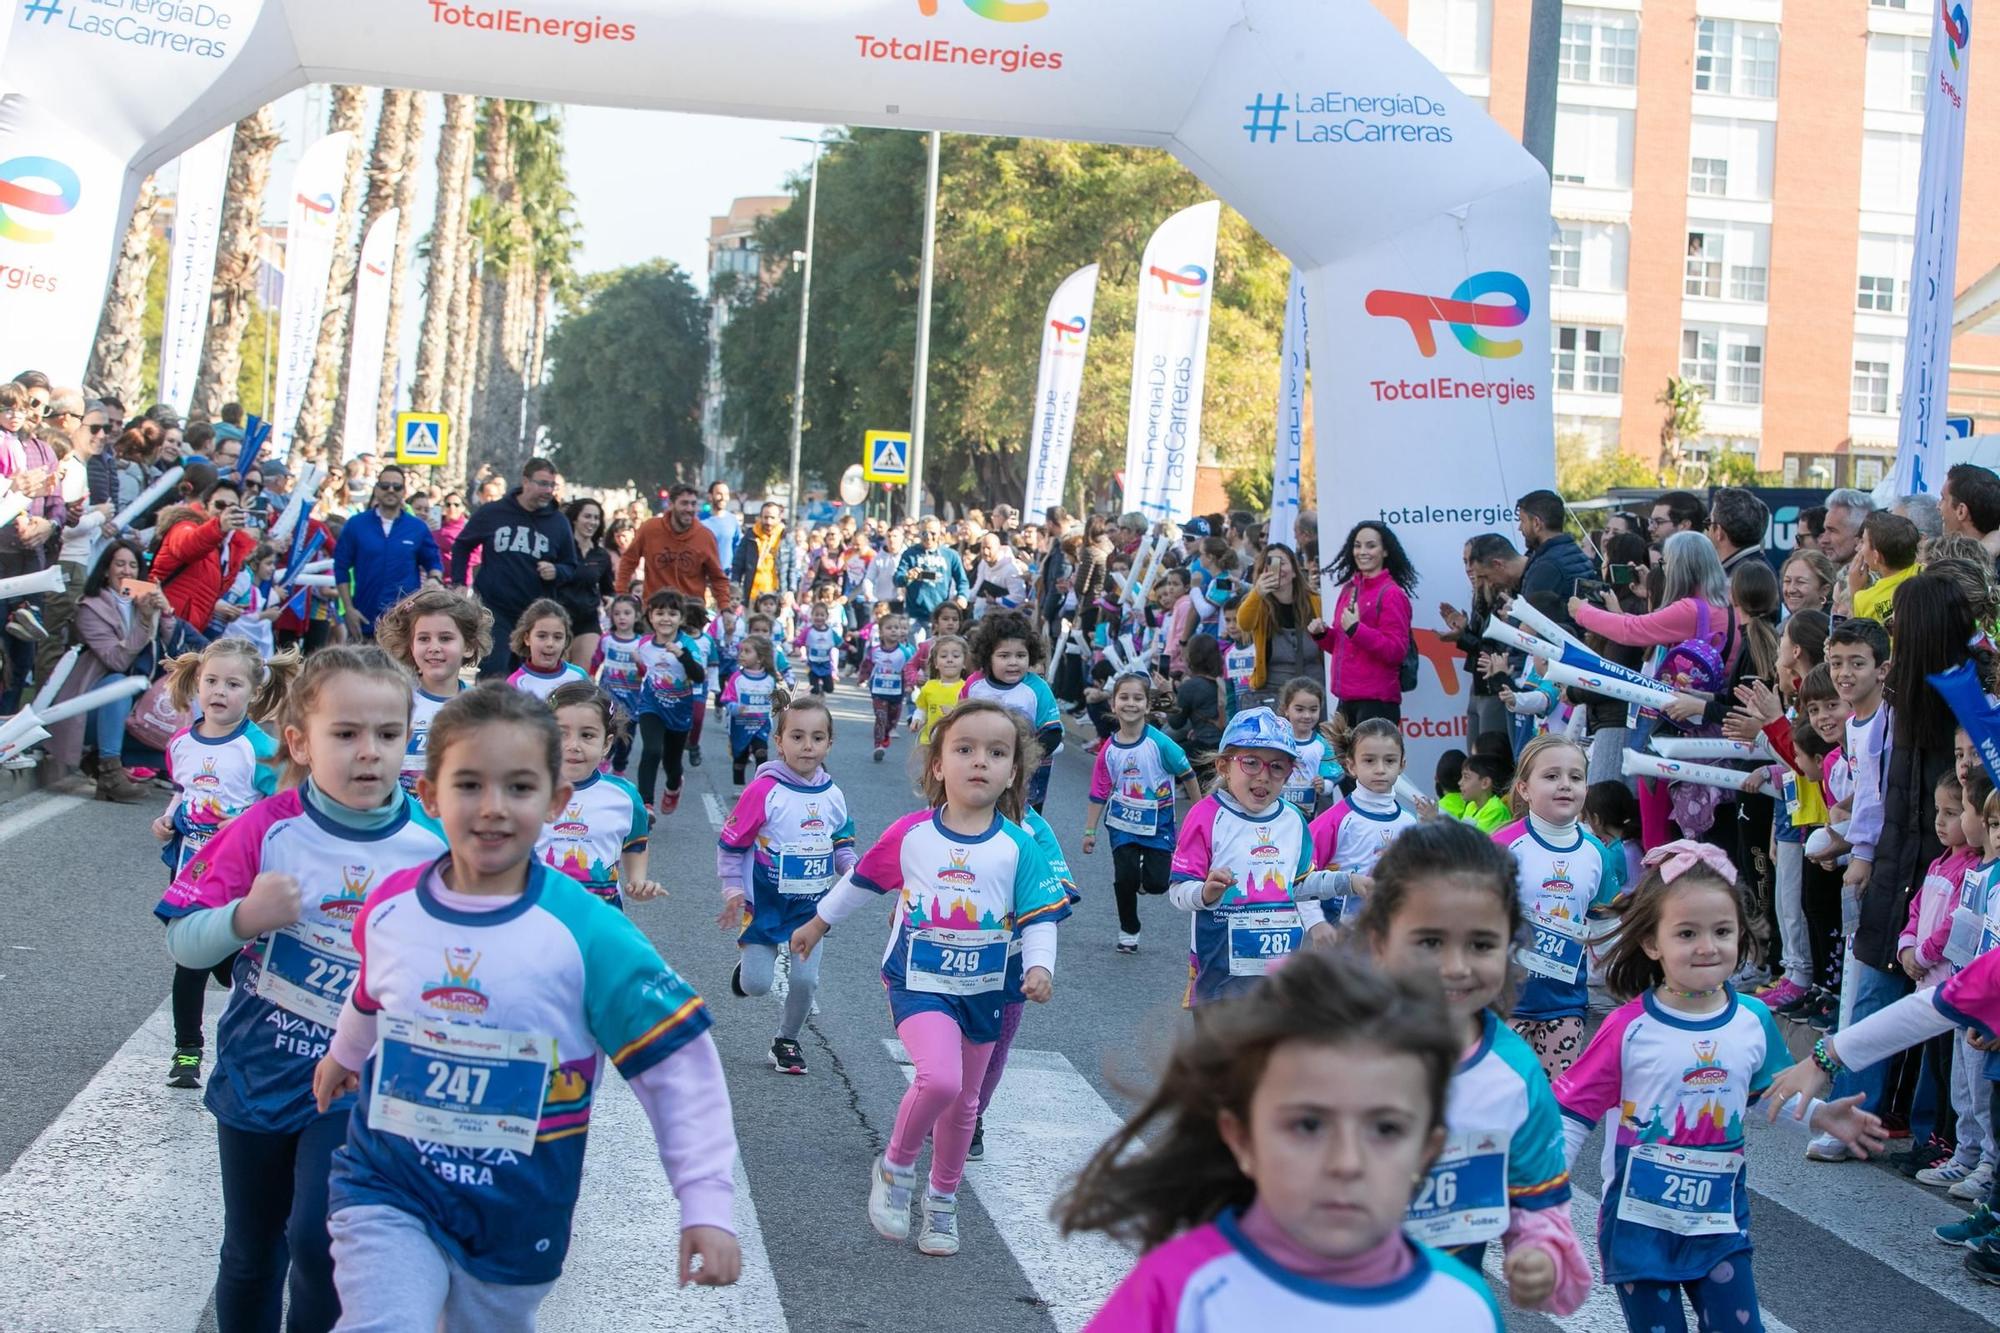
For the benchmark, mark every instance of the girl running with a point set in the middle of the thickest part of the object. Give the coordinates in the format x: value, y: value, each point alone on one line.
x: 1443, y: 903
x: 884, y: 661
x: 1566, y: 876
x: 670, y: 673
x: 1269, y: 1175
x: 220, y: 767
x: 599, y: 838
x: 1355, y: 830
x: 966, y: 879
x: 1676, y: 1212
x: 1317, y: 774
x: 451, y: 1203
x: 436, y: 633
x: 944, y: 687
x: 747, y: 699
x: 948, y: 621
x: 616, y: 667
x: 280, y: 888
x: 1005, y: 651
x: 820, y: 642
x: 541, y: 641
x: 1240, y: 863
x: 1132, y: 793
x: 783, y: 846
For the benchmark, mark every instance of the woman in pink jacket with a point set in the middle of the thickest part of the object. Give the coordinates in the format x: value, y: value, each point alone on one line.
x: 1369, y: 636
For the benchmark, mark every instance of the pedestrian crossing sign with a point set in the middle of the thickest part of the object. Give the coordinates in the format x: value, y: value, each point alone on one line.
x: 885, y: 457
x: 423, y: 438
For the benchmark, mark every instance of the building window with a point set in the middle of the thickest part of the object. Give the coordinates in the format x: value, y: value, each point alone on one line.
x: 1455, y: 35
x: 1888, y: 4
x: 1876, y: 292
x: 1708, y: 175
x: 1600, y: 46
x: 1594, y: 147
x: 1699, y: 359
x: 1867, y: 472
x: 1869, y: 390
x: 1704, y: 265
x: 1727, y: 360
x: 1749, y: 282
x: 1735, y: 59
x: 1566, y: 258
x: 1589, y: 360
x: 1897, y: 73
x: 1890, y: 165
x: 1742, y: 374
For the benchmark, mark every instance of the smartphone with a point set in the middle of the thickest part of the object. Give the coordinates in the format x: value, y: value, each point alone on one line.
x: 137, y: 588
x: 1591, y: 590
x: 1623, y: 575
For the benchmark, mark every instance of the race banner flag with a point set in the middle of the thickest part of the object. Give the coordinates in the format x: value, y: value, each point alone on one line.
x: 1921, y: 436
x: 1285, y: 465
x: 369, y: 337
x: 191, y: 268
x: 309, y: 242
x: 1169, y: 364
x: 1065, y: 339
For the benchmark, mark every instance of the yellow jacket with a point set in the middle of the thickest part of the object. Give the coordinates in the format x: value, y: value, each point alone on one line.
x: 1257, y: 620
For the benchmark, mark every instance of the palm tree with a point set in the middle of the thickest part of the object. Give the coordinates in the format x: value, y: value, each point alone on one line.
x: 236, y: 260
x: 406, y: 199
x: 319, y: 416
x: 546, y: 204
x: 447, y: 248
x: 497, y: 383
x: 120, y: 346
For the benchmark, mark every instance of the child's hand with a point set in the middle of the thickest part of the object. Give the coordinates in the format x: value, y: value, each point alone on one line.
x: 1860, y: 1130
x: 272, y: 904
x: 1531, y: 1276
x: 1089, y: 841
x: 1740, y: 725
x: 1907, y: 960
x: 721, y: 1258
x: 1493, y: 664
x: 1760, y: 701
x: 731, y: 916
x: 1321, y: 935
x: 1857, y: 874
x: 1038, y: 985
x: 1683, y: 707
x: 332, y: 1080
x: 807, y: 937
x: 1218, y: 882
x: 163, y: 828
x: 1755, y: 781
x: 645, y: 890
x: 1979, y: 1043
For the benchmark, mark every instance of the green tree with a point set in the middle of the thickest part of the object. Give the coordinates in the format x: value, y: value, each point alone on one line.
x: 623, y: 402
x: 1584, y: 472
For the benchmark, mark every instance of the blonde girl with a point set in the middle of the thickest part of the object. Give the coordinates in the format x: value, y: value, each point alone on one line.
x: 541, y: 640
x: 748, y: 699
x: 1355, y: 830
x: 944, y: 684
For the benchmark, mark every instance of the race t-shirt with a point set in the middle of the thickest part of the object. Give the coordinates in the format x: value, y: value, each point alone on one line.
x: 1255, y: 925
x: 1029, y: 696
x: 820, y: 647
x: 1135, y: 785
x: 746, y: 700
x: 542, y: 684
x: 604, y: 819
x: 1560, y: 882
x: 666, y: 689
x: 1315, y: 764
x: 795, y: 834
x: 885, y: 670
x: 416, y: 752
x: 215, y: 778
x: 618, y: 669
x: 1351, y: 835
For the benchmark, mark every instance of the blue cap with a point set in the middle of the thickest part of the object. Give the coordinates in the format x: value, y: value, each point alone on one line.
x: 1259, y: 729
x: 1195, y: 527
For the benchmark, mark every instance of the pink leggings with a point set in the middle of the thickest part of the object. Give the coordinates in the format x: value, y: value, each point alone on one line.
x: 943, y: 1100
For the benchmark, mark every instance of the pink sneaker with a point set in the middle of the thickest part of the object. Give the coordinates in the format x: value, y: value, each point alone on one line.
x: 1781, y: 994
x: 669, y: 802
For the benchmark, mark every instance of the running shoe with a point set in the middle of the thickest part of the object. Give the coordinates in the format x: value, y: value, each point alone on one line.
x: 1948, y: 1172
x: 736, y: 982
x: 889, y: 1192
x: 1895, y: 1126
x: 1976, y: 1187
x: 1969, y: 1230
x: 1801, y: 1004
x: 669, y: 802
x: 1826, y: 1148
x: 1984, y: 1264
x: 1781, y: 992
x: 1825, y: 1016
x: 881, y: 752
x: 1127, y: 943
x: 786, y: 1057
x: 977, y: 1152
x: 940, y: 1234
x: 1932, y: 1153
x: 185, y: 1069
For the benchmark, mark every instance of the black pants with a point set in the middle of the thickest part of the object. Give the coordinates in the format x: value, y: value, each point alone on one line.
x: 1137, y: 869
x: 821, y: 684
x: 754, y: 752
x: 1819, y: 894
x: 1752, y: 857
x: 656, y: 742
x: 190, y: 986
x: 274, y: 1220
x: 1357, y: 711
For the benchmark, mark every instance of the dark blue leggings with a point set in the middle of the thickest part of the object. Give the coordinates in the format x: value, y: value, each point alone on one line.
x: 1724, y: 1299
x: 274, y: 1219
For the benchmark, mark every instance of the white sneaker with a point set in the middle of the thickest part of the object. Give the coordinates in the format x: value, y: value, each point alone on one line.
x: 1976, y: 1186
x: 1127, y: 943
x: 1826, y: 1148
x: 940, y: 1234
x: 889, y: 1192
x: 1948, y: 1172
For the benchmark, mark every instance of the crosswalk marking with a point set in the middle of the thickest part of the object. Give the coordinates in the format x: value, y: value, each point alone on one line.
x: 1045, y: 1122
x: 112, y: 1217
x: 624, y: 1257
x: 32, y: 811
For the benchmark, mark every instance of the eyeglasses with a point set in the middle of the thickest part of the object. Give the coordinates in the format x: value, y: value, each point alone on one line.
x: 1253, y: 765
x: 99, y: 429
x: 396, y: 486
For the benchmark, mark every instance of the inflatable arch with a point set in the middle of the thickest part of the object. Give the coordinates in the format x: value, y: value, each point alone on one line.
x: 1421, y: 227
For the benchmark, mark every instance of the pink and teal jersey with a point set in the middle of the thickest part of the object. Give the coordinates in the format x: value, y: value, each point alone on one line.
x: 1971, y: 998
x: 1351, y: 837
x: 746, y: 699
x: 618, y: 670
x: 960, y: 902
x: 1135, y: 785
x: 798, y: 839
x: 885, y: 670
x: 424, y: 708
x: 1673, y: 1089
x: 1214, y: 1279
x: 215, y: 779
x: 666, y: 689
x: 542, y: 684
x: 1256, y: 924
x: 604, y: 819
x: 1561, y: 881
x: 491, y: 1033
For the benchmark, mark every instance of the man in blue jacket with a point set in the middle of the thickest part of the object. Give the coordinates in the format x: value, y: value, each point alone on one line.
x: 383, y: 555
x: 1555, y: 561
x: 930, y: 575
x: 528, y: 549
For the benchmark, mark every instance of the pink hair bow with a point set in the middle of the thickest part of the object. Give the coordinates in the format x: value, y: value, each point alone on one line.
x: 1674, y: 859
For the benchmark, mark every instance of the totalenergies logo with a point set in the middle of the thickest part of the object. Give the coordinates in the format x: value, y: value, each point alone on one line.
x: 1957, y: 28
x: 1000, y: 11
x: 16, y: 198
x: 1187, y: 282
x: 1069, y: 332
x: 319, y: 209
x: 1463, y: 311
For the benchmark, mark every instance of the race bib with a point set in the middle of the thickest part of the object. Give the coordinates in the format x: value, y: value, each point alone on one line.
x: 1969, y: 937
x: 308, y: 971
x: 456, y: 1084
x: 1260, y: 940
x: 192, y: 841
x: 1681, y: 1190
x: 805, y: 867
x: 1301, y: 789
x: 1139, y: 818
x: 1464, y: 1199
x: 956, y: 962
x: 1557, y: 952
x: 886, y: 680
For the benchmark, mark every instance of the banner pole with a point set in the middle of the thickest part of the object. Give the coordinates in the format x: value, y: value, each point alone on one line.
x: 913, y: 502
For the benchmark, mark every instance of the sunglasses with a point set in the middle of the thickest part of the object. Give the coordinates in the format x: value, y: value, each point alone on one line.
x: 389, y: 486
x: 99, y: 429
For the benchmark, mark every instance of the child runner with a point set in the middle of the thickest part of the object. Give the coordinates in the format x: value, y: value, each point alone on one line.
x: 1566, y: 875
x: 940, y: 693
x: 783, y: 846
x: 782, y: 665
x: 1268, y: 1176
x: 599, y: 838
x: 884, y: 662
x: 820, y: 642
x: 965, y: 879
x: 948, y: 621
x: 1317, y: 774
x: 489, y: 1068
x: 436, y: 633
x: 253, y: 593
x: 1005, y: 652
x: 1676, y: 1213
x: 1132, y: 791
x: 1240, y: 863
x: 220, y: 767
x: 670, y: 673
x: 280, y: 888
x: 696, y: 638
x: 747, y: 702
x: 1443, y: 902
x: 541, y: 638
x: 1355, y: 830
x: 617, y: 669
x: 1239, y: 655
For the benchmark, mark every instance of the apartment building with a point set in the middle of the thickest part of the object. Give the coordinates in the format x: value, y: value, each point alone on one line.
x: 732, y: 251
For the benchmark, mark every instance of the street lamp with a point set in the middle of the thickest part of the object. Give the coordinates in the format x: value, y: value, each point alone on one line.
x: 805, y: 260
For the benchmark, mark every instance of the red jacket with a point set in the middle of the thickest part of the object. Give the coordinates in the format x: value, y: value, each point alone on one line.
x: 193, y: 570
x: 1368, y: 664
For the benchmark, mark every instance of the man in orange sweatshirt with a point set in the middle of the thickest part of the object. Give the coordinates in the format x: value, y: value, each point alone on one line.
x: 679, y: 553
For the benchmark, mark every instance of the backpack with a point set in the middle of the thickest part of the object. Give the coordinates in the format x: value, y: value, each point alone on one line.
x: 1695, y: 665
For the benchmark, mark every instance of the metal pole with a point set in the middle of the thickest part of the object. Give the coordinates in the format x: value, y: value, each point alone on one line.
x: 913, y: 502
x: 799, y: 372
x: 1538, y: 114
